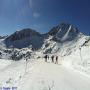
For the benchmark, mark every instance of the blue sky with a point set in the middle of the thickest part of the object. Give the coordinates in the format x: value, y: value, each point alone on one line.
x: 42, y: 15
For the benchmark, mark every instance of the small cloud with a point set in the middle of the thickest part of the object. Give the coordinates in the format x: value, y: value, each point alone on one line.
x: 31, y: 3
x: 34, y: 11
x: 36, y: 15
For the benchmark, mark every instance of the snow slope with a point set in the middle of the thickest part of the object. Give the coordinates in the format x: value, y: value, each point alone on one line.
x: 79, y: 60
x: 41, y: 76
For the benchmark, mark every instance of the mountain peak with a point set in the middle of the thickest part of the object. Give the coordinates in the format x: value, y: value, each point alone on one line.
x: 18, y: 35
x: 62, y: 27
x: 64, y: 32
x: 24, y: 38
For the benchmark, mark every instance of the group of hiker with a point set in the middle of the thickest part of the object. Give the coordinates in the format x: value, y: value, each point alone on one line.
x: 54, y: 59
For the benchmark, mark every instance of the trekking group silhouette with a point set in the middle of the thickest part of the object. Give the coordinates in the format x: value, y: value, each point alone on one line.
x: 54, y: 59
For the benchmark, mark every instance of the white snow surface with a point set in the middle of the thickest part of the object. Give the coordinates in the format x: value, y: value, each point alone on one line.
x: 41, y: 75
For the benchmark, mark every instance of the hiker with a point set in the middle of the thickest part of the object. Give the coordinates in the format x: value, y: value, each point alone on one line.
x: 52, y: 57
x: 26, y: 59
x: 46, y: 56
x: 56, y: 60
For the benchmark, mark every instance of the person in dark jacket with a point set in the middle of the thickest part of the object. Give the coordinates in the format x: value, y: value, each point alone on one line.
x: 46, y: 57
x: 52, y: 57
x: 56, y: 60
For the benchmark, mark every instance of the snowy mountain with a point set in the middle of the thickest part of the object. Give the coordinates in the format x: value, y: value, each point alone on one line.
x: 20, y: 44
x: 63, y: 39
x: 24, y: 38
x: 64, y: 32
x: 3, y: 37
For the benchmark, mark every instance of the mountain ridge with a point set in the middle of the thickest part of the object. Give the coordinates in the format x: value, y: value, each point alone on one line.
x: 64, y: 37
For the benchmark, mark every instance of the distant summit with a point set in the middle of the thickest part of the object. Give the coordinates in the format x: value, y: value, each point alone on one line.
x: 24, y: 38
x: 64, y: 32
x: 19, y: 35
x: 2, y: 37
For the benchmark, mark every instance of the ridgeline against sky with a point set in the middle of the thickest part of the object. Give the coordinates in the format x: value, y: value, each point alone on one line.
x: 42, y: 15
